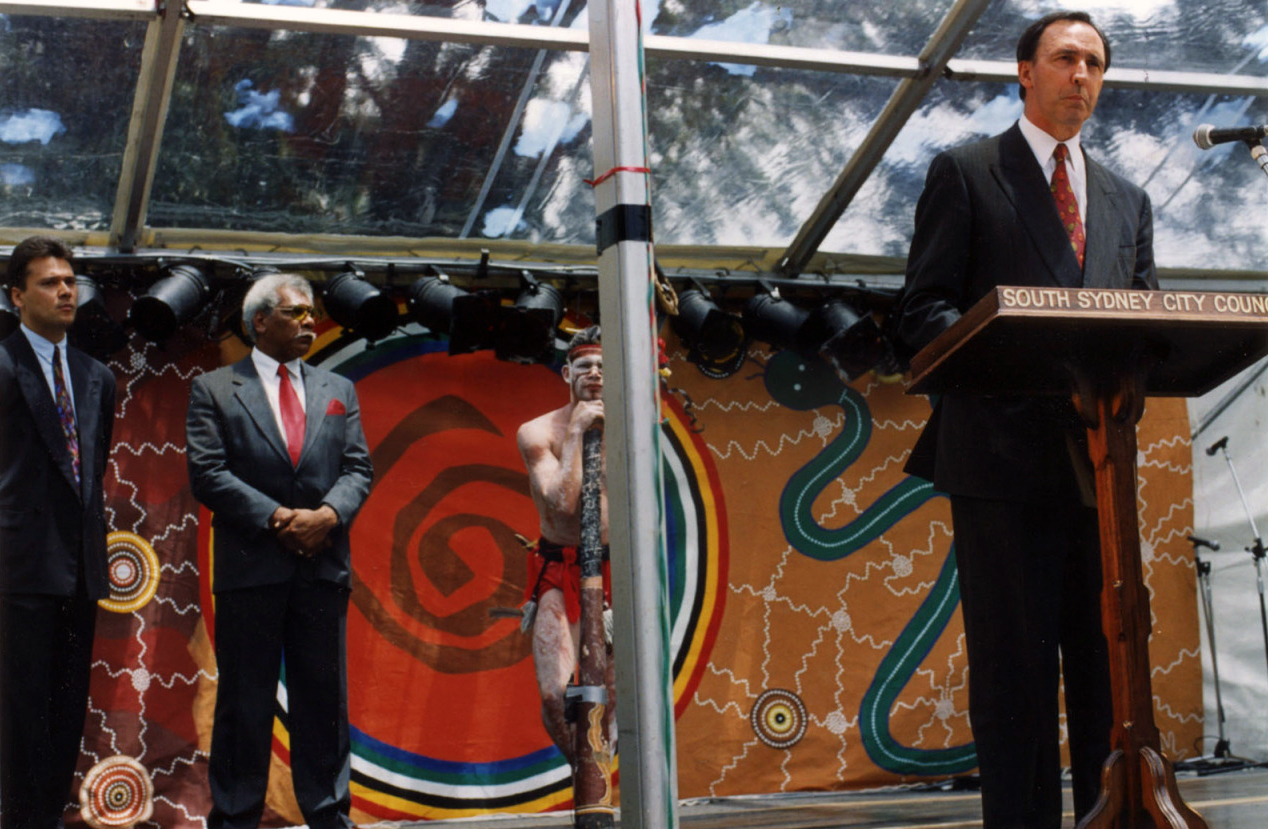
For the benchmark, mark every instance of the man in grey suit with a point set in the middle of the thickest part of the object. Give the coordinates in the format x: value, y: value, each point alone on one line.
x: 1018, y: 209
x: 56, y: 421
x: 276, y: 452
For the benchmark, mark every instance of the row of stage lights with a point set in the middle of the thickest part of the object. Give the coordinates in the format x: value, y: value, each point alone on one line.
x: 523, y: 332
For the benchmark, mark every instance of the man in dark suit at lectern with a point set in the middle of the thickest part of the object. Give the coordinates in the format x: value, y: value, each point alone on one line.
x: 1026, y: 207
x: 56, y: 421
x: 276, y: 452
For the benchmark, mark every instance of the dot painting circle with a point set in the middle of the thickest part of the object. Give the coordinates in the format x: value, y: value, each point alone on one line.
x: 779, y: 718
x: 116, y: 793
x: 132, y: 568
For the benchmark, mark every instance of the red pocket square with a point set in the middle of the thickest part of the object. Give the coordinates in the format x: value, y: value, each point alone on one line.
x: 335, y: 407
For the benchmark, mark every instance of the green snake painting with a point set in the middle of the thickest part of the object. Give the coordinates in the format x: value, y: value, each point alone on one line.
x: 802, y: 384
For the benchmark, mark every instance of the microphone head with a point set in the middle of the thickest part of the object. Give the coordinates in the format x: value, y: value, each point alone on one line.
x: 1217, y: 446
x: 1202, y: 136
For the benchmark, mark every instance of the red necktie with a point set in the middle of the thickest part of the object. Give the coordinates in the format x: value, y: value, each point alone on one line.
x: 292, y: 414
x: 65, y: 411
x: 1067, y: 205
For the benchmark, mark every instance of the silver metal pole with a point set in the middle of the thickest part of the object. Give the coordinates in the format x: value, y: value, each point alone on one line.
x: 640, y: 581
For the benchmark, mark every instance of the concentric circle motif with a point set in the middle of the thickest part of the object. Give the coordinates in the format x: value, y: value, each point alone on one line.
x: 133, y: 570
x: 779, y: 718
x: 117, y: 792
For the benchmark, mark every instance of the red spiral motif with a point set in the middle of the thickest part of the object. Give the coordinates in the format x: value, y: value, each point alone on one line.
x: 425, y: 560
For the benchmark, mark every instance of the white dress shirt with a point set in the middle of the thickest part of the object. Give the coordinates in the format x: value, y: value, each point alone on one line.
x: 1042, y: 145
x: 44, y: 353
x: 267, y: 368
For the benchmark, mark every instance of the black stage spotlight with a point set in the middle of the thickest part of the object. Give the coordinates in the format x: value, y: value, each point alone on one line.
x: 9, y: 319
x: 772, y: 319
x: 852, y: 343
x: 170, y: 302
x: 527, y: 332
x: 357, y: 305
x: 713, y: 337
x: 431, y: 301
x: 468, y: 320
x: 94, y: 330
x: 477, y: 317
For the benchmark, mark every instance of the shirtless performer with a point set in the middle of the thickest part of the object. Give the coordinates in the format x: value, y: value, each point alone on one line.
x: 551, y: 448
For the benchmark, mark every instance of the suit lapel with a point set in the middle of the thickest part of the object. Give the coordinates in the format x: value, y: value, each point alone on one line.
x: 250, y: 393
x: 317, y: 397
x: 44, y: 411
x: 87, y: 388
x: 1023, y: 182
x: 1102, y: 241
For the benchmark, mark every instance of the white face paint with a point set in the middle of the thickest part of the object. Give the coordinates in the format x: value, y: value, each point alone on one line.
x: 585, y: 376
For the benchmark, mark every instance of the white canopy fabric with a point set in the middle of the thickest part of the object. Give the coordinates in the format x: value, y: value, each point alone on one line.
x: 1219, y: 515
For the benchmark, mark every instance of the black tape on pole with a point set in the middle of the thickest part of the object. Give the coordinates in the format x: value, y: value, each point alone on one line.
x: 623, y: 223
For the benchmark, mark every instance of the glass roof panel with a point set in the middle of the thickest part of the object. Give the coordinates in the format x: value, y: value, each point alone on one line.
x: 742, y: 156
x: 1205, y: 204
x: 64, y: 115
x: 1220, y: 36
x: 879, y: 26
x: 739, y: 155
x: 302, y: 133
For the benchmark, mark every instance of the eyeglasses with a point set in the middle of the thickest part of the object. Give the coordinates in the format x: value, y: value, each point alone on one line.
x: 297, y: 312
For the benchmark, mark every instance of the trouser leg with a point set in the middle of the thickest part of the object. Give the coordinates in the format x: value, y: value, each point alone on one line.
x: 1085, y: 665
x: 249, y: 630
x: 45, y: 663
x: 317, y: 695
x: 1014, y: 562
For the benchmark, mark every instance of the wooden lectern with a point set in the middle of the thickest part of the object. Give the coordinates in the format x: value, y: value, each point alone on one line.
x: 1108, y: 349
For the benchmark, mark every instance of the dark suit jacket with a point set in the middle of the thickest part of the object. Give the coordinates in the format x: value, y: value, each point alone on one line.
x: 47, y: 524
x: 987, y: 218
x: 240, y: 469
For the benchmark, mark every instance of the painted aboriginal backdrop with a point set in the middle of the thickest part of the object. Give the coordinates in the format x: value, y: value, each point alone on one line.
x: 816, y: 636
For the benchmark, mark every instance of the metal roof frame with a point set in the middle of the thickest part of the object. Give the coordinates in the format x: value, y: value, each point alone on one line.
x: 168, y: 20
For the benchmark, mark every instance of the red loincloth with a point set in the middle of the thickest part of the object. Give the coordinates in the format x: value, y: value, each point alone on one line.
x: 554, y: 566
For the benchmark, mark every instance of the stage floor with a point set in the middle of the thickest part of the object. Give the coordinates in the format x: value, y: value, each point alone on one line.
x: 1229, y: 800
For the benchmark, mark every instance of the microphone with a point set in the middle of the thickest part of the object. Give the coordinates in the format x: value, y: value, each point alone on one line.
x: 1217, y: 446
x: 1207, y: 136
x: 1202, y: 542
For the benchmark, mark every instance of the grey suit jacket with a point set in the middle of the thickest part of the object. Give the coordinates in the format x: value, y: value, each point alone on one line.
x: 240, y: 469
x: 48, y: 525
x: 987, y: 218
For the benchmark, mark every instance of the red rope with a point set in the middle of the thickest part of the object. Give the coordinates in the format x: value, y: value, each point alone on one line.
x: 596, y: 182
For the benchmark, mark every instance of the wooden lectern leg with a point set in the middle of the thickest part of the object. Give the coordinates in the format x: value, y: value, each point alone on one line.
x: 1109, y: 804
x: 1160, y: 806
x: 1162, y: 797
x: 1138, y: 788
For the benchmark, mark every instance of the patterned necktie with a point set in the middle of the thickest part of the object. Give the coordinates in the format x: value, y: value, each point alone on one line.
x: 1067, y: 205
x: 65, y: 411
x: 292, y: 414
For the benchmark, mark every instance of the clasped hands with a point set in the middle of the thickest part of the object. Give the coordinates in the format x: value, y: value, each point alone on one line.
x: 305, y: 532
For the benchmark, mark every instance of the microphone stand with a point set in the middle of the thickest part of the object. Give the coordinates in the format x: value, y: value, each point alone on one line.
x: 1257, y: 549
x: 1223, y: 759
x: 1260, y: 153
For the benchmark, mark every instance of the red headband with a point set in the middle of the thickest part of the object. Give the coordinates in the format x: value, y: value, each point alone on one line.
x: 583, y: 349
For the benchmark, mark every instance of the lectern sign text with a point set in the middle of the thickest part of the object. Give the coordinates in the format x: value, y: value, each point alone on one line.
x: 1024, y: 338
x: 1134, y: 302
